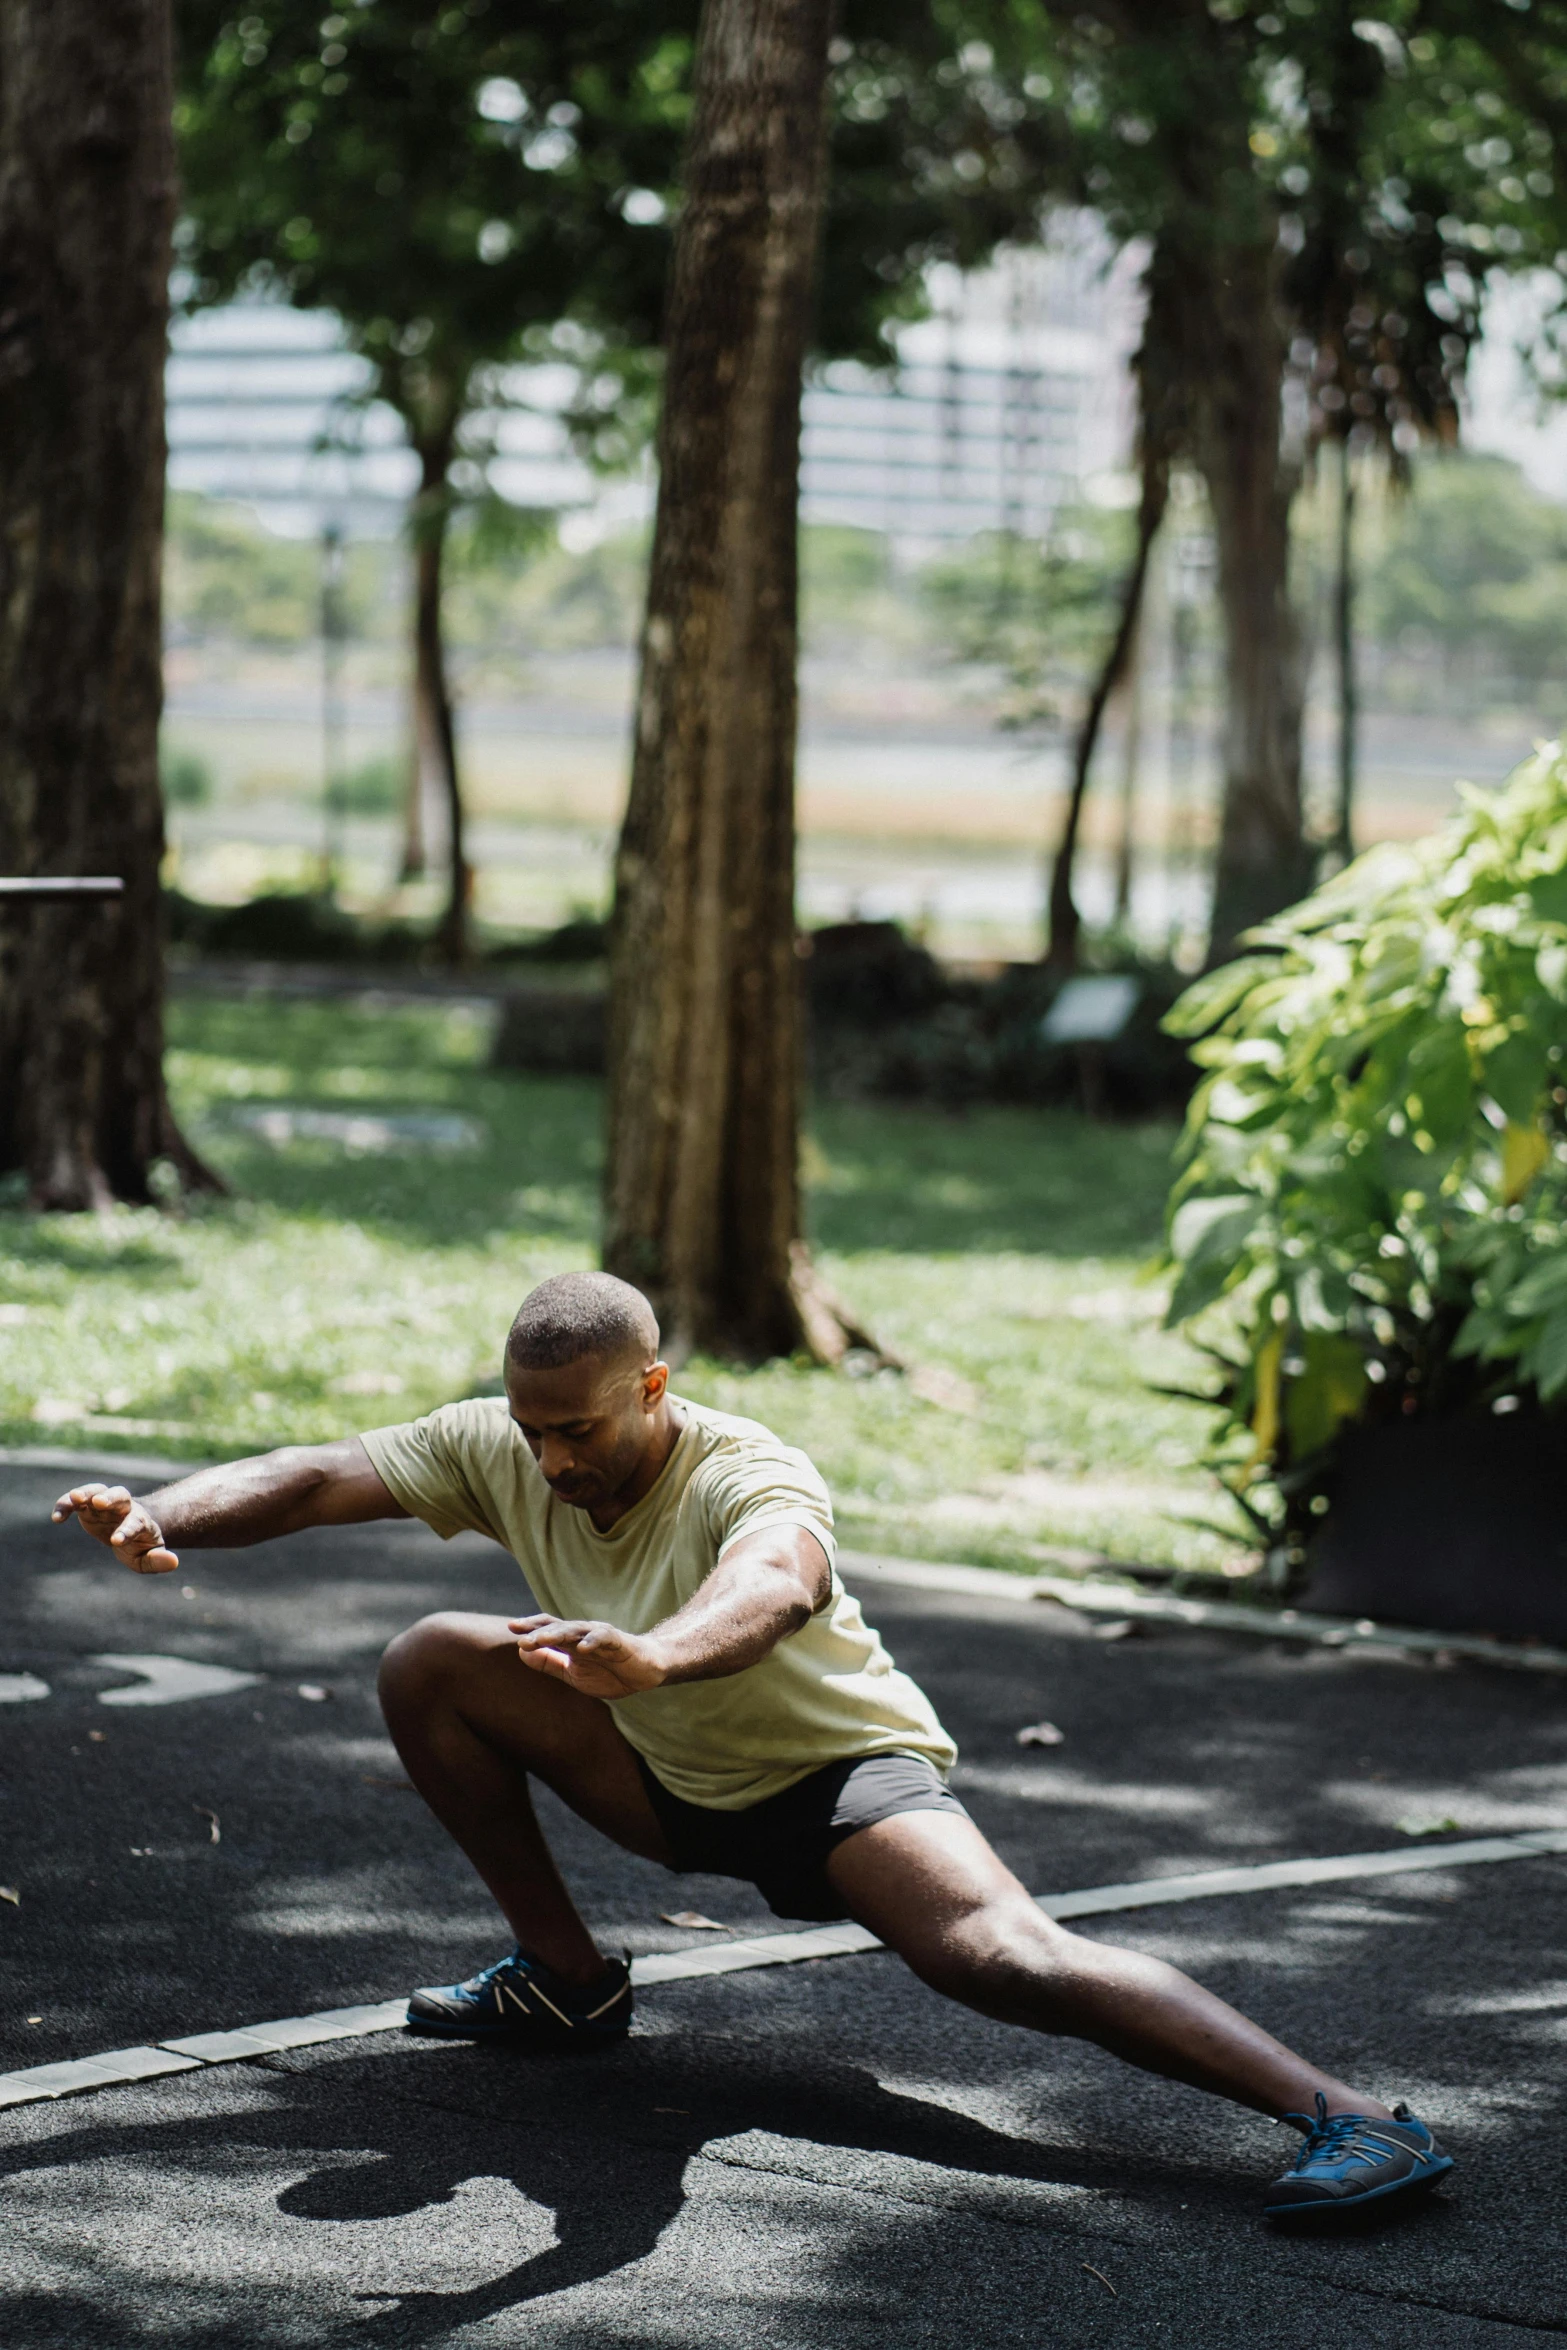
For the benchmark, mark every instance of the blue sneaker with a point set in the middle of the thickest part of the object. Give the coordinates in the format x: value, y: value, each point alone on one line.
x: 1351, y: 2159
x: 520, y: 1999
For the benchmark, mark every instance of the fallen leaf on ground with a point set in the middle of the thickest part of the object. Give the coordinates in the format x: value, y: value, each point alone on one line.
x: 1041, y: 1734
x: 1428, y: 1827
x: 692, y: 1920
x: 1118, y: 1628
x: 314, y: 1691
x: 97, y: 1737
x: 215, y: 1833
x: 10, y: 1893
x: 35, y: 2019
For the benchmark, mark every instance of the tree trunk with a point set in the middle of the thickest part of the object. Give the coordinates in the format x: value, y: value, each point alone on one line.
x: 1264, y: 861
x: 701, y: 1194
x: 435, y: 730
x: 1343, y: 843
x: 1065, y: 920
x: 1131, y: 756
x: 87, y: 194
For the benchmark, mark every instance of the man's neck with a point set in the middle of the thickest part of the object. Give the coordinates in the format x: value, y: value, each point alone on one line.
x: 664, y: 1434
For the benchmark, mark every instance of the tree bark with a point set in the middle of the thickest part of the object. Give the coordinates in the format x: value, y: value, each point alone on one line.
x: 1064, y: 918
x: 1264, y: 861
x: 1131, y: 757
x: 702, y: 1194
x: 1343, y: 842
x: 435, y: 728
x: 87, y: 195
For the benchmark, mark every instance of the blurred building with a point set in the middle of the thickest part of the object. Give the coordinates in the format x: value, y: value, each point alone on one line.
x: 1010, y: 398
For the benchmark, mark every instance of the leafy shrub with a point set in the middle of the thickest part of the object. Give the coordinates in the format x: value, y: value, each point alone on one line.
x: 186, y: 778
x: 1372, y: 1216
x: 373, y: 789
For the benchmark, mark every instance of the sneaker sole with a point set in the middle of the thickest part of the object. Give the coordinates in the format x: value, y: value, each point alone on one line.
x: 1329, y: 2206
x: 531, y: 2035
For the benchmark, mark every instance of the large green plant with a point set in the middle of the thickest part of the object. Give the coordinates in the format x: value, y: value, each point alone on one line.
x: 1371, y: 1218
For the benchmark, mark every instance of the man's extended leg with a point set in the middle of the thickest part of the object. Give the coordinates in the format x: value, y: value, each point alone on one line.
x: 472, y: 1724
x: 929, y: 1885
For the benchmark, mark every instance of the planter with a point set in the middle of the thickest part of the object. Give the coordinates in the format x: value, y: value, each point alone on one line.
x: 1459, y: 1525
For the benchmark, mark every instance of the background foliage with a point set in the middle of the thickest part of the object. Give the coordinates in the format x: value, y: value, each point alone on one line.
x: 1374, y: 1200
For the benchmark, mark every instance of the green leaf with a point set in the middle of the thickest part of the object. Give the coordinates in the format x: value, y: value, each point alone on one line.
x: 1550, y: 1356
x: 1516, y: 1073
x: 1439, y: 1072
x: 1206, y: 1229
x: 1330, y: 1390
x: 1548, y: 896
x: 1543, y: 1288
x: 1208, y: 999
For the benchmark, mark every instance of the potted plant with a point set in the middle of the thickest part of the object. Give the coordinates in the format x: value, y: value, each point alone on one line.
x: 1368, y: 1229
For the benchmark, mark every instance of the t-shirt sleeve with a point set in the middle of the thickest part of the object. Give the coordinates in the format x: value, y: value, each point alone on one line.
x: 746, y: 1488
x: 427, y: 1465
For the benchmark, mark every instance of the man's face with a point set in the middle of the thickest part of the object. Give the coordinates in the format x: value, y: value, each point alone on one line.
x: 588, y: 1424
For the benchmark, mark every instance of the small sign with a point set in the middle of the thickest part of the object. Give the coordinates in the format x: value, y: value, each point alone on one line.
x: 1091, y: 1011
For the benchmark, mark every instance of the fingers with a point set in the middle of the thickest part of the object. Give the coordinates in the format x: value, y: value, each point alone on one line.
x: 546, y: 1631
x: 155, y: 1562
x: 89, y: 1502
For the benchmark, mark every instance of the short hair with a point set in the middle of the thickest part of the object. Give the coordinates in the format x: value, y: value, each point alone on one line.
x: 580, y: 1314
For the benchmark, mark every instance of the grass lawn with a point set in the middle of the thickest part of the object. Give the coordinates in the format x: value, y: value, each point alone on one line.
x: 357, y: 1277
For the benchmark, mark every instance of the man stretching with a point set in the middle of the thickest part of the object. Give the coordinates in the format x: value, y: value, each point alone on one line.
x: 704, y: 1691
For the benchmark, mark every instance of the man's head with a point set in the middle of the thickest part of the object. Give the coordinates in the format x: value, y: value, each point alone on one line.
x: 585, y: 1385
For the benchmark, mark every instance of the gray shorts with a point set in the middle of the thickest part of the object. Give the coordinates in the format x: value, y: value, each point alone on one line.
x: 780, y: 1844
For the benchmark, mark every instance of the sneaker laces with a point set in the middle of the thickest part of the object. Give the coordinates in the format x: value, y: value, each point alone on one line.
x: 1331, y: 2135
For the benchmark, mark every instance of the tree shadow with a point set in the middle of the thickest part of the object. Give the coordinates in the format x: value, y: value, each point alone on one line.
x: 603, y: 2141
x: 891, y: 1176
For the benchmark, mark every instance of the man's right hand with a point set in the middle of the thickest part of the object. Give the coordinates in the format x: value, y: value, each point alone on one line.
x: 110, y: 1516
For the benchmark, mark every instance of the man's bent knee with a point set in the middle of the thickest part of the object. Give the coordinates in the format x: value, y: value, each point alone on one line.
x: 1003, y: 1958
x: 431, y: 1652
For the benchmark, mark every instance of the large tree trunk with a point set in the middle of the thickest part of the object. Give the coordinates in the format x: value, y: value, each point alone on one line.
x: 87, y: 195
x: 1065, y: 922
x: 435, y: 729
x: 702, y: 1199
x: 1264, y: 861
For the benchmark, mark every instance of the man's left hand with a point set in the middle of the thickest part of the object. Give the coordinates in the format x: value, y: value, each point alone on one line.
x: 595, y: 1658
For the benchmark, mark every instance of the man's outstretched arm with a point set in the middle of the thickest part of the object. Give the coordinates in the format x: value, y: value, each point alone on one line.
x: 238, y: 1503
x: 765, y: 1586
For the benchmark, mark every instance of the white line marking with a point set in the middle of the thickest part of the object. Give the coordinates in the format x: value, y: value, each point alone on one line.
x: 91, y: 2072
x: 169, y: 1680
x: 760, y: 1950
x: 21, y: 1688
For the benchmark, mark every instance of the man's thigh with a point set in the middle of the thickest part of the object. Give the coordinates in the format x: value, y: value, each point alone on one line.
x: 931, y: 1887
x: 470, y: 1663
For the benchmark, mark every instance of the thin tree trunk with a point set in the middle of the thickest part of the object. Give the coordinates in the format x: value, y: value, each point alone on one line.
x: 1131, y: 756
x: 435, y: 726
x: 87, y: 194
x: 701, y: 1194
x: 1264, y: 860
x: 1065, y: 920
x: 1343, y: 843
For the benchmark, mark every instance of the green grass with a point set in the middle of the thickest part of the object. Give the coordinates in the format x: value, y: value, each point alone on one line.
x: 1003, y: 1255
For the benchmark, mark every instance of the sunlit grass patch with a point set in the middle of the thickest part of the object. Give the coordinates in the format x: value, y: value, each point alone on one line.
x: 347, y: 1283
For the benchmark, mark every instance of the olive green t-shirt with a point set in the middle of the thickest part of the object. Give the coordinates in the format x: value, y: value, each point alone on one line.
x: 827, y: 1693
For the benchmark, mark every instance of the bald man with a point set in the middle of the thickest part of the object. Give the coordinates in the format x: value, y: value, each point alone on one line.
x: 701, y: 1689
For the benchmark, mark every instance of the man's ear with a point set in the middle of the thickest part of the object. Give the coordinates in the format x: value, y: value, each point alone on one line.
x: 655, y: 1379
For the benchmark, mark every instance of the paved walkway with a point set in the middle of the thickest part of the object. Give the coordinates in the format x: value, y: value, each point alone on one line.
x: 818, y: 2155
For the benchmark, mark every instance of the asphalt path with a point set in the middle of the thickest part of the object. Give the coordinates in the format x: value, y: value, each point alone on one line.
x: 821, y: 2156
